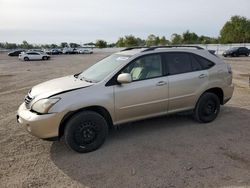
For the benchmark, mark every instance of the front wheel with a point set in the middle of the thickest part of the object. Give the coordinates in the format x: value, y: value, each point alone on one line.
x: 26, y: 59
x: 207, y: 108
x: 86, y: 131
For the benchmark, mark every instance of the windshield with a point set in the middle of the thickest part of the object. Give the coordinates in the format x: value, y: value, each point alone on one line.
x: 232, y: 49
x: 103, y: 68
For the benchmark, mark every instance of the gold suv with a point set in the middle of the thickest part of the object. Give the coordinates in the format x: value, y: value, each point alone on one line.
x: 133, y: 84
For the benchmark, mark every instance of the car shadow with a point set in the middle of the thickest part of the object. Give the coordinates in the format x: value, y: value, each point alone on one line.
x: 154, y: 152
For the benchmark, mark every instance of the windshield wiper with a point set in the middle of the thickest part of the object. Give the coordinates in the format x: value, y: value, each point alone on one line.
x: 87, y: 80
x: 77, y: 75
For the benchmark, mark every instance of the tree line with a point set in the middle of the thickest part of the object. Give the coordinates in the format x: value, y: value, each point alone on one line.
x: 236, y: 30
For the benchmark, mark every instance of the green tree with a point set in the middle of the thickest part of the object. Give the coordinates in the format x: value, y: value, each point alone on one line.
x: 190, y: 38
x: 120, y: 42
x: 10, y: 45
x: 1, y: 45
x: 101, y: 44
x: 45, y: 46
x: 207, y: 40
x: 89, y: 44
x: 74, y: 45
x: 130, y: 41
x: 163, y: 41
x: 64, y: 45
x: 111, y: 45
x: 26, y: 45
x: 236, y: 30
x: 53, y: 46
x: 176, y: 38
x: 140, y: 42
x: 152, y: 40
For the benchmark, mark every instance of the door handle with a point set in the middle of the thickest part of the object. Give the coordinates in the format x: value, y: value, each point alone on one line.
x: 161, y: 83
x: 203, y: 76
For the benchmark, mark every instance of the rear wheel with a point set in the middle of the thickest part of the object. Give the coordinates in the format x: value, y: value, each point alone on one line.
x: 247, y: 54
x: 207, y: 108
x: 45, y: 58
x: 235, y: 55
x: 26, y: 59
x: 86, y: 131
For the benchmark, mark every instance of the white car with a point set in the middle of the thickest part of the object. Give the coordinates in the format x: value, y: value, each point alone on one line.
x: 26, y: 56
x: 69, y: 51
x: 85, y: 51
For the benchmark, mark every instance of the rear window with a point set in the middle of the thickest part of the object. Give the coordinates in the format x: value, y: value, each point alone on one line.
x: 196, y: 65
x: 206, y: 64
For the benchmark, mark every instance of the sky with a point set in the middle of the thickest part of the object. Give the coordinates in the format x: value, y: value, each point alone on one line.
x: 81, y: 21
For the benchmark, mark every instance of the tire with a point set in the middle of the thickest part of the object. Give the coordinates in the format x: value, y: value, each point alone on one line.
x: 45, y: 58
x: 26, y: 59
x: 207, y: 108
x: 247, y: 54
x: 86, y: 131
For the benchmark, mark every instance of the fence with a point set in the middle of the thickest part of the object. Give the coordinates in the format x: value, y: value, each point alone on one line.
x: 218, y: 48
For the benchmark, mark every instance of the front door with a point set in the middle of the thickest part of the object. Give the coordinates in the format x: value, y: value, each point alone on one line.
x: 147, y: 94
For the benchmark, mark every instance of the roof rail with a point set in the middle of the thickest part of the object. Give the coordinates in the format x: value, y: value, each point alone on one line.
x: 132, y: 48
x: 173, y: 46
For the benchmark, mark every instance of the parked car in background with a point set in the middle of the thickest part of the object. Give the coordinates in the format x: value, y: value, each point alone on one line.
x: 69, y: 51
x: 36, y: 50
x: 236, y: 51
x: 54, y: 51
x: 133, y: 84
x: 85, y: 51
x: 15, y: 52
x: 33, y: 55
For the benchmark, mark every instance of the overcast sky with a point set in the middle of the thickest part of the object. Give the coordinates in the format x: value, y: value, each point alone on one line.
x: 55, y: 21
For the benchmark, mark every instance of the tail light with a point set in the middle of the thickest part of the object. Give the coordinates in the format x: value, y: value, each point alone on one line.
x: 229, y: 69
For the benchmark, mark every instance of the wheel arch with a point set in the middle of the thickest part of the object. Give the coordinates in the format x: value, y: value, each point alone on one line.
x: 217, y: 91
x: 98, y: 109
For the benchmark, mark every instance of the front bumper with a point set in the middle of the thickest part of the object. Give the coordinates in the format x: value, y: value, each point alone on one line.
x: 42, y: 126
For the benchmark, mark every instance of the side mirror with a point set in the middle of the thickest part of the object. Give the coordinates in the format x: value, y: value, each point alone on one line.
x: 124, y: 78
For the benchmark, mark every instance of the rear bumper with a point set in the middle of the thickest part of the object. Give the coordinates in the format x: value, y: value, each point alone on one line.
x: 42, y: 126
x: 228, y: 93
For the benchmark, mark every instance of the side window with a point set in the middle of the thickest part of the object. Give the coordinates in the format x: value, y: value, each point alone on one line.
x: 32, y: 53
x: 178, y: 63
x: 242, y: 50
x: 196, y: 66
x: 146, y: 67
x: 206, y: 64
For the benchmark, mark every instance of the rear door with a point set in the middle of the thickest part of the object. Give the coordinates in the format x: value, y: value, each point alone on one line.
x: 243, y: 51
x: 37, y: 56
x: 186, y: 79
x: 147, y: 94
x: 31, y: 55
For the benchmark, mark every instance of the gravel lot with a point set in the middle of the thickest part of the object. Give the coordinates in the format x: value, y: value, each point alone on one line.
x: 172, y: 151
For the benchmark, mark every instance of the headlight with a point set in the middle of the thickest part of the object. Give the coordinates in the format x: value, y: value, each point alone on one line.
x: 43, y: 105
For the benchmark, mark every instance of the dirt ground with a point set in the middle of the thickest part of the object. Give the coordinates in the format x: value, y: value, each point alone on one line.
x: 172, y: 151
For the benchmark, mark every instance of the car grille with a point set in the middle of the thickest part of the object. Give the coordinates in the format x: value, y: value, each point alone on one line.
x: 28, y: 98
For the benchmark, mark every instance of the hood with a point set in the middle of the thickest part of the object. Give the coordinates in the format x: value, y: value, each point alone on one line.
x: 58, y: 85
